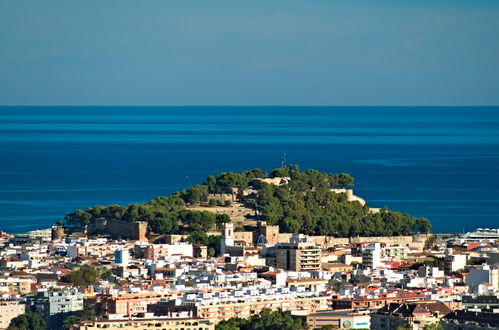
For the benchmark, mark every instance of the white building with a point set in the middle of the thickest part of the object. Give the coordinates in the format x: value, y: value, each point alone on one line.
x: 227, y: 238
x: 482, y: 274
x: 371, y: 255
x: 480, y: 235
x: 425, y: 271
x: 454, y: 262
x: 122, y: 257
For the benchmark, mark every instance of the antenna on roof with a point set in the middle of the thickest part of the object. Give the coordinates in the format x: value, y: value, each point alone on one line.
x: 283, y: 159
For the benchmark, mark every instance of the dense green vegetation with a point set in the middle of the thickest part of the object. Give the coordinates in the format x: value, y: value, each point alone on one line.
x: 267, y: 319
x: 434, y: 261
x: 87, y: 276
x: 27, y: 321
x: 304, y: 205
x: 434, y: 326
x: 75, y: 318
x: 307, y: 205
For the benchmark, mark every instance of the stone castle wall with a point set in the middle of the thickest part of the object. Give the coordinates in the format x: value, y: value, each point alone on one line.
x: 416, y: 242
x: 246, y: 236
x: 119, y: 228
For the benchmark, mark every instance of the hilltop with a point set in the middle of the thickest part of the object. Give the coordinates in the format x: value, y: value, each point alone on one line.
x: 311, y: 202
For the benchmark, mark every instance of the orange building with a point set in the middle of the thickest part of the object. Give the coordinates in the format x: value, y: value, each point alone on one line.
x: 129, y: 303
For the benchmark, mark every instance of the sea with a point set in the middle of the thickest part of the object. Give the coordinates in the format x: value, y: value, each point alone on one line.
x: 441, y: 163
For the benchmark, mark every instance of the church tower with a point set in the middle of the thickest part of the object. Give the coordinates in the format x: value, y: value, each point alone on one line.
x: 227, y: 237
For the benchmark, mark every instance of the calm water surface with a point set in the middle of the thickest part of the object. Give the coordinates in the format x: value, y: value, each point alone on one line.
x: 440, y: 163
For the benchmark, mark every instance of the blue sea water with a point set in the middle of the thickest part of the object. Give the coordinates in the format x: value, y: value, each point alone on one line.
x: 437, y: 162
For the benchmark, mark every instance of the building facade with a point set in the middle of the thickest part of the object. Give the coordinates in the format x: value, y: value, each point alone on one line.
x: 51, y: 303
x: 300, y: 254
x: 10, y: 309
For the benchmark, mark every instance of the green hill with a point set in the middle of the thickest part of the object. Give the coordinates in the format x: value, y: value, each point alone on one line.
x: 304, y: 203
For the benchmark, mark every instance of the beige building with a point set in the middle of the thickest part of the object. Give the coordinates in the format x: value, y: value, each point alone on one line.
x: 300, y: 254
x: 155, y: 323
x: 396, y: 251
x: 414, y: 315
x: 10, y: 309
x: 19, y: 285
x: 223, y: 311
x: 340, y: 320
x: 129, y: 303
x: 337, y: 267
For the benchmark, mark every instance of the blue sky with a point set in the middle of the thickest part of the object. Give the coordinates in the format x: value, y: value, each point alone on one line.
x: 258, y: 52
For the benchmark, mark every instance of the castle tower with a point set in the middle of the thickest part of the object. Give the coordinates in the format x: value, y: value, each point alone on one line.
x: 227, y: 237
x: 271, y: 233
x: 139, y: 231
x: 57, y: 232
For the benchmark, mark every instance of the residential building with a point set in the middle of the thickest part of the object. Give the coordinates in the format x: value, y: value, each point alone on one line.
x: 157, y: 251
x: 470, y: 320
x: 246, y: 306
x: 396, y: 251
x: 371, y: 255
x: 340, y: 319
x: 152, y: 323
x: 454, y: 262
x: 15, y: 284
x: 375, y: 302
x: 409, y: 315
x: 129, y: 303
x: 121, y: 257
x: 301, y: 253
x: 51, y: 303
x: 482, y: 274
x: 10, y: 309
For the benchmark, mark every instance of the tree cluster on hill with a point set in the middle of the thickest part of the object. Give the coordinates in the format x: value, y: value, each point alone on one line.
x: 267, y: 319
x: 305, y: 204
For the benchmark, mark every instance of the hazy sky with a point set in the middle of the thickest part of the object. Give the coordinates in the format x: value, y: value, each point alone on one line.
x: 292, y: 52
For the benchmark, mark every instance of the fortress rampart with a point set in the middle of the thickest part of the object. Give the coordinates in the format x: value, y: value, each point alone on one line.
x: 136, y: 230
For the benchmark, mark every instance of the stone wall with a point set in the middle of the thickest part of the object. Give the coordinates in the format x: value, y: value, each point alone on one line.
x: 284, y: 237
x: 414, y: 242
x: 117, y: 228
x: 221, y: 197
x: 330, y: 241
x: 246, y: 236
x: 172, y: 239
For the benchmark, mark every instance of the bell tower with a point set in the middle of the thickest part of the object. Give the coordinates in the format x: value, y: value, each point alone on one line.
x: 227, y: 237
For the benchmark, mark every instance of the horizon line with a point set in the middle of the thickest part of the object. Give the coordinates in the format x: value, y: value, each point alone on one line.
x: 247, y: 106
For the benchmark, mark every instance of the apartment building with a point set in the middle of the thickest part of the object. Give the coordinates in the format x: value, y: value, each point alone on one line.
x: 149, y: 324
x: 300, y: 254
x: 396, y: 251
x: 223, y: 310
x: 10, y: 309
x: 19, y: 285
x: 129, y: 303
x: 454, y: 262
x: 375, y: 302
x: 409, y: 315
x: 371, y: 255
x: 483, y: 274
x: 51, y: 303
x: 340, y: 320
x: 158, y: 251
